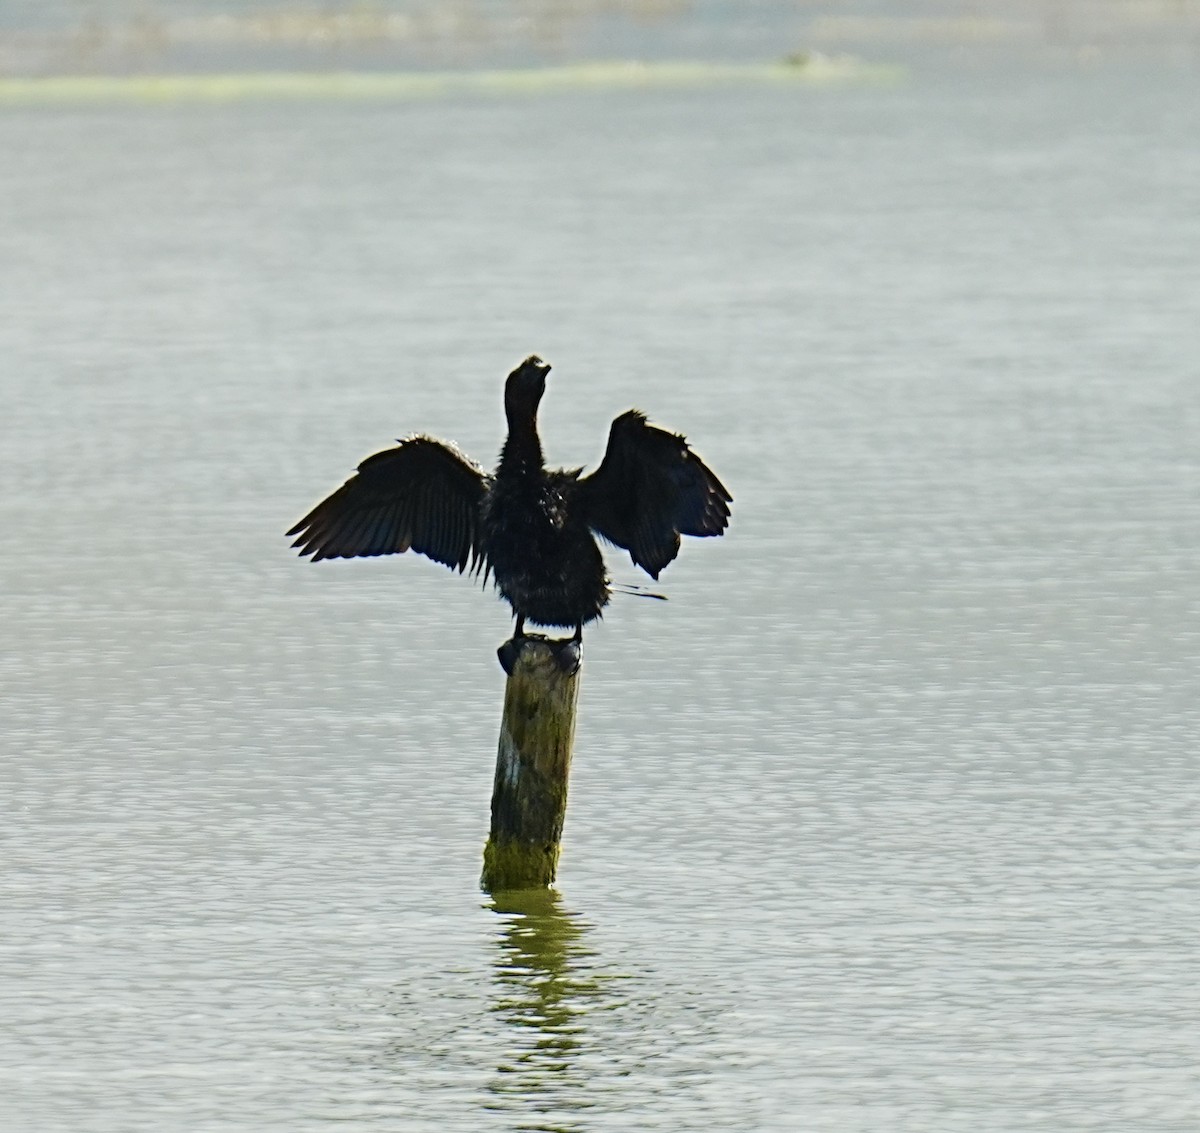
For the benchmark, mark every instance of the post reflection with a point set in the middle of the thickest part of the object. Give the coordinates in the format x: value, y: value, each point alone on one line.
x: 546, y: 983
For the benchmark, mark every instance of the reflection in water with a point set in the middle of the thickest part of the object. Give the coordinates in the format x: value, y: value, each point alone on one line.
x: 545, y: 987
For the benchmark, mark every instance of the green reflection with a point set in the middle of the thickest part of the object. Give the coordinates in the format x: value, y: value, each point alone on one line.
x: 546, y: 985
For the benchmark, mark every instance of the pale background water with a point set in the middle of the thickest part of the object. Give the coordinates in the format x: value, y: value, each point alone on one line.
x: 886, y: 821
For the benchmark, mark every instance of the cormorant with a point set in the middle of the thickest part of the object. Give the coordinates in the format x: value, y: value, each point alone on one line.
x: 529, y: 527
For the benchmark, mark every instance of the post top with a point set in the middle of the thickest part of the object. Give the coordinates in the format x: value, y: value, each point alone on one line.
x: 536, y: 653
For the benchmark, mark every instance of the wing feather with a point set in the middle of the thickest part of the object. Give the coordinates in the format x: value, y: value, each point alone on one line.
x: 423, y: 494
x: 649, y: 489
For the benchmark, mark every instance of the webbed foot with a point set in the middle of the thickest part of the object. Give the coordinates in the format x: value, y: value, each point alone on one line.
x: 508, y: 654
x: 568, y: 655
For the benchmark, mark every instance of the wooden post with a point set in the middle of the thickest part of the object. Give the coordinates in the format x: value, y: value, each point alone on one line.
x: 529, y: 798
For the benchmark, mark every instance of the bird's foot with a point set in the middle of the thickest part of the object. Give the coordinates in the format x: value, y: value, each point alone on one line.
x: 568, y: 655
x: 508, y: 654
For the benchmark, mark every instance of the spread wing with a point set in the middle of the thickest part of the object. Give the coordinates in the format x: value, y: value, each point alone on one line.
x: 651, y: 488
x: 423, y: 494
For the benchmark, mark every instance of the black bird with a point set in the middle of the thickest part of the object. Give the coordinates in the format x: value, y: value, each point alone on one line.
x: 529, y: 527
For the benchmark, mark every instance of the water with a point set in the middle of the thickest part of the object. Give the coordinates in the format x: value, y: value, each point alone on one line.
x: 885, y: 821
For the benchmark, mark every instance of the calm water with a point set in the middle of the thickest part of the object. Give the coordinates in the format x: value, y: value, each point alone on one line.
x: 886, y: 821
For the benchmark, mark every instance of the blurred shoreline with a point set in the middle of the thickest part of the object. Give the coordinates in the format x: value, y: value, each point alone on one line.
x: 157, y: 37
x: 401, y: 85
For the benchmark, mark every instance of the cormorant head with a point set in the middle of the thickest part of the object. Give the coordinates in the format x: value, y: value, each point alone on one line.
x: 526, y: 384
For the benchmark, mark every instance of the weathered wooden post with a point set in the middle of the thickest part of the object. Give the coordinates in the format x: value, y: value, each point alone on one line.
x: 529, y: 798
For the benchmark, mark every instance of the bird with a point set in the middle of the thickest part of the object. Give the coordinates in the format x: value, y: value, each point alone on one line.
x: 531, y: 529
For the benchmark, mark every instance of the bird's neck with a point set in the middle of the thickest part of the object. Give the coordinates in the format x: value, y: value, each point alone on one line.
x: 523, y: 448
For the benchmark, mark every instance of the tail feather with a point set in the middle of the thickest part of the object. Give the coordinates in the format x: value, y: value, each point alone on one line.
x: 635, y: 591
